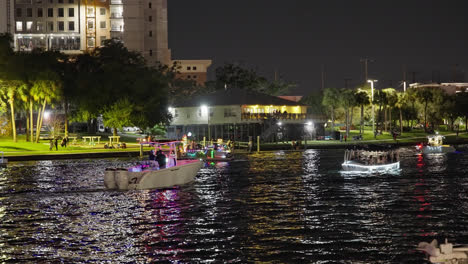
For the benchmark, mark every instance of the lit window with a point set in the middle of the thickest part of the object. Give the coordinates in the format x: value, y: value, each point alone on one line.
x: 19, y: 26
x: 29, y: 25
x: 90, y: 24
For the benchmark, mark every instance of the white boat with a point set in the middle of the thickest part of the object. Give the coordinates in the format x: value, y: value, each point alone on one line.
x: 435, y: 145
x: 148, y: 174
x: 371, y: 161
x: 446, y: 253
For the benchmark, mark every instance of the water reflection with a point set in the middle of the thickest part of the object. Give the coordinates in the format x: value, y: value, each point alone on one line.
x: 273, y: 207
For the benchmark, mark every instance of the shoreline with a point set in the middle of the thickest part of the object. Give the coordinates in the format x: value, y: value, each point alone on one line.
x: 264, y: 147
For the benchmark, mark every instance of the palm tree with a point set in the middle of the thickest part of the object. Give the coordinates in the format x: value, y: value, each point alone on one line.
x: 46, y: 89
x: 400, y: 103
x: 391, y: 101
x: 10, y: 92
x: 362, y: 99
x: 425, y: 95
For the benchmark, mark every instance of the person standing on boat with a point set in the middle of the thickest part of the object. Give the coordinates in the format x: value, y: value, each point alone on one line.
x: 173, y: 158
x: 161, y: 159
x: 151, y: 155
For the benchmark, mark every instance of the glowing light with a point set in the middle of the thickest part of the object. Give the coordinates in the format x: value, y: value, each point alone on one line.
x: 309, y: 123
x: 46, y: 114
x: 170, y: 109
x: 279, y: 123
x: 189, y: 134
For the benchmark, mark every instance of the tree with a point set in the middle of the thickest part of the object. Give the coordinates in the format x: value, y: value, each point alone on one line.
x: 380, y: 97
x: 362, y: 99
x: 331, y: 101
x: 347, y: 101
x: 234, y: 76
x: 118, y: 115
x: 11, y: 91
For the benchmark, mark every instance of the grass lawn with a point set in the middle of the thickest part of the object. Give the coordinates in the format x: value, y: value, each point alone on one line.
x: 22, y: 147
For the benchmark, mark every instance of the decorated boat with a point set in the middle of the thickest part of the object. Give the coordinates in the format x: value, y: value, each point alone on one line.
x: 367, y: 160
x: 446, y: 253
x: 214, y: 151
x: 160, y: 171
x: 435, y: 145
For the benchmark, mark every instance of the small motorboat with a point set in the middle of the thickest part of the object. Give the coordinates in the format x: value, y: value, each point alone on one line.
x: 149, y: 175
x: 435, y: 145
x: 371, y: 161
x: 446, y: 253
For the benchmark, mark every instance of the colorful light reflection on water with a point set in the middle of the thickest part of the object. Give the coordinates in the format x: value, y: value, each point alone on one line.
x: 273, y: 207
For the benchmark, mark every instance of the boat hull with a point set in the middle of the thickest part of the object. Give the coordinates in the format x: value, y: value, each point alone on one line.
x: 183, y: 173
x: 355, y: 166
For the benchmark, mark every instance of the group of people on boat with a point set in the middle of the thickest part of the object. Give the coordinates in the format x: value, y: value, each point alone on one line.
x: 161, y: 160
x: 373, y: 157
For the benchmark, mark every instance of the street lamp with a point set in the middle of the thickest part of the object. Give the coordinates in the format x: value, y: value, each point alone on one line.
x: 372, y: 102
x: 205, y: 109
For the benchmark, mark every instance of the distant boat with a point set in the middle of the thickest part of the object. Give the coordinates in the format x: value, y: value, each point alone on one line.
x: 371, y: 161
x: 148, y: 174
x: 435, y: 145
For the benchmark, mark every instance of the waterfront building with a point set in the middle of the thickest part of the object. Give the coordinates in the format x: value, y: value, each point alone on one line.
x: 76, y: 26
x: 239, y: 114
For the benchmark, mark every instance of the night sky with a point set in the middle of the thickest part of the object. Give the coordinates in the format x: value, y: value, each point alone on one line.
x: 296, y: 38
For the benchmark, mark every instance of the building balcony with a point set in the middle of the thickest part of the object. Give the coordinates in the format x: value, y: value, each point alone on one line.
x: 293, y: 118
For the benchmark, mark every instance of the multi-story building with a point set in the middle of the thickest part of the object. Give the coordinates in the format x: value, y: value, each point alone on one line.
x: 194, y: 70
x: 75, y: 26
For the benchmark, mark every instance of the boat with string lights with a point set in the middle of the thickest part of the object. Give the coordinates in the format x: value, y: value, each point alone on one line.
x: 161, y: 170
x: 367, y: 160
x: 435, y: 145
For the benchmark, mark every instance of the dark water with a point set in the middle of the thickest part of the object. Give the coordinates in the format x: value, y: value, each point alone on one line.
x: 277, y: 207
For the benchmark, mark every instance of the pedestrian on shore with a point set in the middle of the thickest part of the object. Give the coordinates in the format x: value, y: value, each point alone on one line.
x: 51, y: 144
x: 345, y: 137
x: 341, y: 138
x: 56, y: 143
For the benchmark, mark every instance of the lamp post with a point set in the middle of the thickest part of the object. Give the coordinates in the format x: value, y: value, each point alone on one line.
x: 372, y: 102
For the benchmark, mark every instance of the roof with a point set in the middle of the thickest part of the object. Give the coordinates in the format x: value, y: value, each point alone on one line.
x: 234, y: 96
